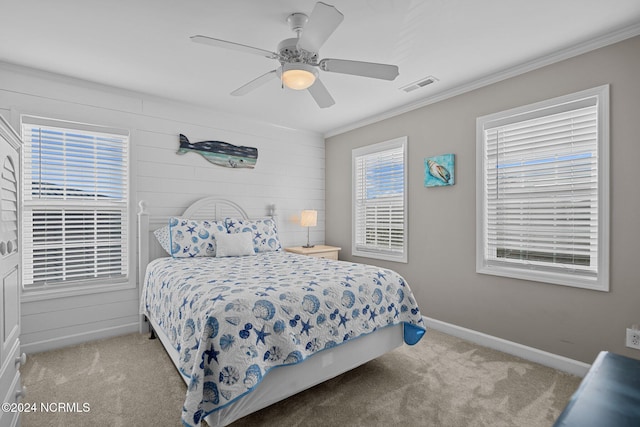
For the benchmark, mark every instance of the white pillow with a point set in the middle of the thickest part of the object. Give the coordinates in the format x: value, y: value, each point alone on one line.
x: 237, y: 244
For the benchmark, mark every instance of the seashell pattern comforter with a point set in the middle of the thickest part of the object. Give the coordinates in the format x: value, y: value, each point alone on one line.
x: 233, y: 319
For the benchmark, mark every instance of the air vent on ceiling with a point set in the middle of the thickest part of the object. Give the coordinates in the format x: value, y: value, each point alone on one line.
x: 426, y: 81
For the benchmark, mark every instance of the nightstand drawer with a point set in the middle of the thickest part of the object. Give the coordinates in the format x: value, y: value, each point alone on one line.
x: 327, y: 255
x: 317, y: 251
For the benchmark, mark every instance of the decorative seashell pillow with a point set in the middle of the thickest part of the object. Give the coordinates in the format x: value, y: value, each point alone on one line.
x: 265, y: 232
x: 194, y: 238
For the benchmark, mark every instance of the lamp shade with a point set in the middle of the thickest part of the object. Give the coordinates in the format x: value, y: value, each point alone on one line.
x: 298, y: 76
x: 309, y: 218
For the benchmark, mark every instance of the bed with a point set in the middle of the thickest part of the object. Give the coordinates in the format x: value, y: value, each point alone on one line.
x: 248, y: 331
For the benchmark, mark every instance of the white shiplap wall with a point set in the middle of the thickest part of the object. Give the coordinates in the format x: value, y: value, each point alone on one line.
x: 289, y: 173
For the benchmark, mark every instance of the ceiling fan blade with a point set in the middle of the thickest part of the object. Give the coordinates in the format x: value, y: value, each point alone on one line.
x: 359, y: 68
x: 255, y: 83
x: 321, y: 94
x: 234, y: 46
x: 322, y: 23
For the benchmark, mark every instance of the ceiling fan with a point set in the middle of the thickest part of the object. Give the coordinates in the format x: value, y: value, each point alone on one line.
x: 298, y: 56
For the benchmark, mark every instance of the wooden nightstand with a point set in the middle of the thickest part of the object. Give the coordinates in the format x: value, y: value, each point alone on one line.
x: 318, y: 251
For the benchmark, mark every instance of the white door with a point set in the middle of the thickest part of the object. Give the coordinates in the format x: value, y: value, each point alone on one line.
x: 10, y: 261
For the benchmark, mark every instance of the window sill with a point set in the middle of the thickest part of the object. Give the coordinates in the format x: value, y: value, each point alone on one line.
x: 385, y: 257
x: 546, y: 277
x: 31, y: 295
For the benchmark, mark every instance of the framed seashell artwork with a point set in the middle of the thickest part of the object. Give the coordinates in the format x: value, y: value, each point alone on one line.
x: 439, y: 170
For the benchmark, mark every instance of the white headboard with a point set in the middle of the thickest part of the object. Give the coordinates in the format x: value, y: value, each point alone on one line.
x: 214, y: 208
x: 211, y: 207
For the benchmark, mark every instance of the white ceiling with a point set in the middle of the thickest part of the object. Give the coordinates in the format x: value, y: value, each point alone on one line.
x: 144, y: 46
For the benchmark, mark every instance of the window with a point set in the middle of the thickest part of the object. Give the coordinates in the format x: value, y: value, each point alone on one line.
x: 75, y: 187
x: 542, y: 184
x: 379, y: 200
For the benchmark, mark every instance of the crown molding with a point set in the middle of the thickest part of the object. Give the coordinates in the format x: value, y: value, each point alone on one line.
x: 560, y: 55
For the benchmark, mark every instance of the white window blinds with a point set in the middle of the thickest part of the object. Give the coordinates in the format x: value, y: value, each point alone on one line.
x: 75, y: 203
x: 379, y: 197
x: 541, y: 198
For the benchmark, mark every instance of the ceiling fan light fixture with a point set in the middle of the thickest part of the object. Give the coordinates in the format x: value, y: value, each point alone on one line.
x: 298, y: 76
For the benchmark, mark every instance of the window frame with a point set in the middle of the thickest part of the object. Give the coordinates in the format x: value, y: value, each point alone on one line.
x: 401, y: 142
x: 536, y: 273
x: 82, y: 286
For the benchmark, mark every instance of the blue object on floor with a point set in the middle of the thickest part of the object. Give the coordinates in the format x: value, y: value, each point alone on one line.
x: 609, y: 395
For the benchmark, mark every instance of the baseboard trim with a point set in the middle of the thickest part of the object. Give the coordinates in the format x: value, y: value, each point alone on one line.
x: 68, y: 340
x: 551, y: 360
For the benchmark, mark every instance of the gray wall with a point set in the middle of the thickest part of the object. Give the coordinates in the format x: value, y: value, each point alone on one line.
x: 571, y: 322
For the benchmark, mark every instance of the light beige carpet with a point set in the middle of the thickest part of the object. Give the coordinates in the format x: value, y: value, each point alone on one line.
x: 442, y: 381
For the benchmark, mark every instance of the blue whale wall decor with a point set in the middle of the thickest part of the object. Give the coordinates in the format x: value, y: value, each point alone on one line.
x: 221, y: 153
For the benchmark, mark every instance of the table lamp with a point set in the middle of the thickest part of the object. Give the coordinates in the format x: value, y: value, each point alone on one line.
x: 309, y: 218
